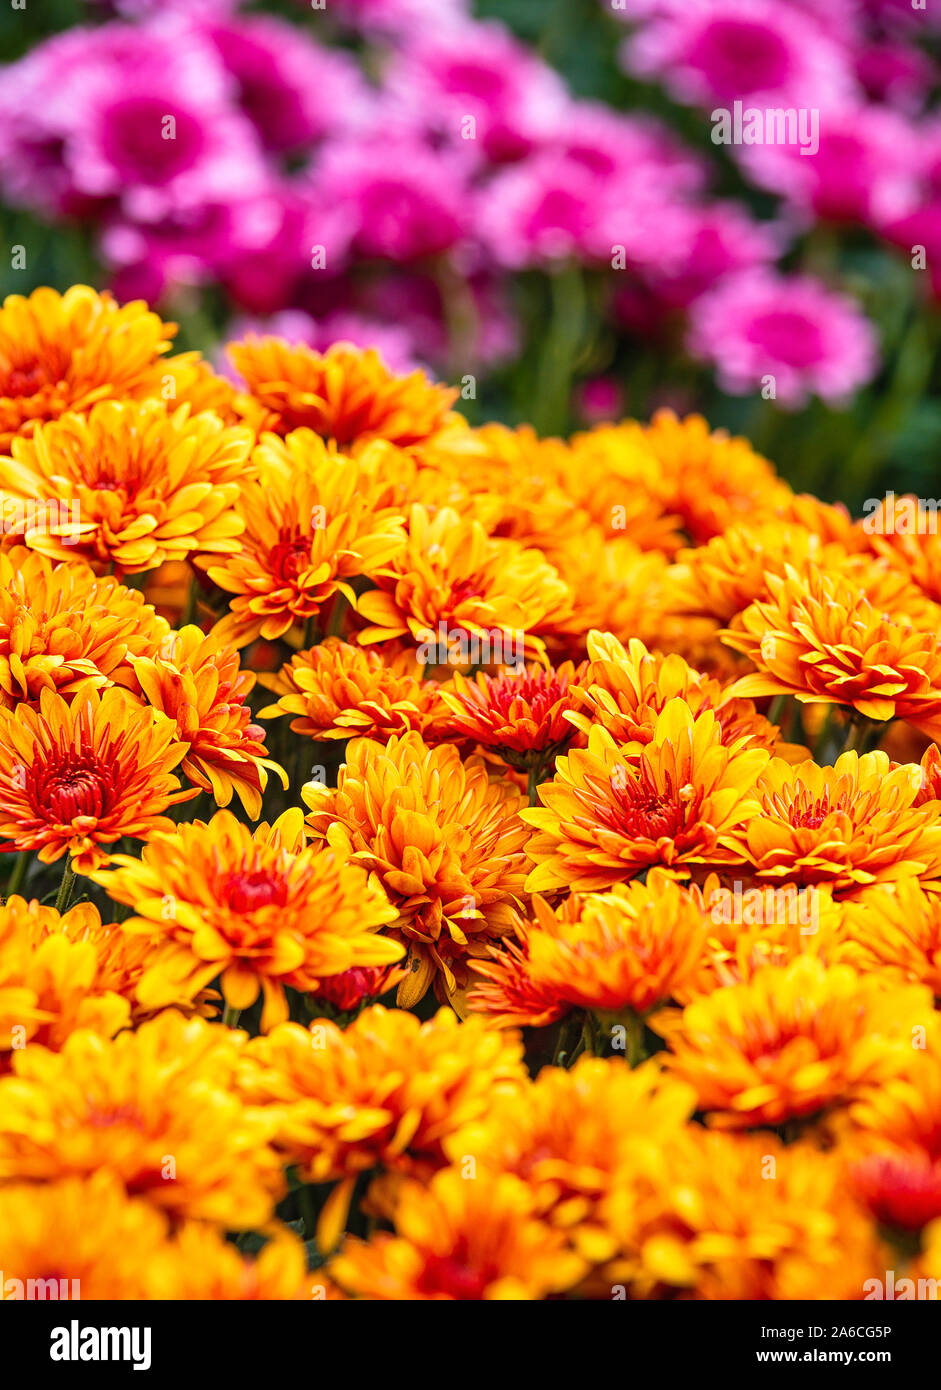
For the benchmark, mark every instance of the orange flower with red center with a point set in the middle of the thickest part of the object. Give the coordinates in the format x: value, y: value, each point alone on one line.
x: 930, y: 789
x: 336, y: 691
x: 446, y: 842
x: 901, y: 1190
x: 313, y: 522
x: 467, y: 597
x: 825, y: 637
x: 626, y: 690
x: 135, y: 486
x: 76, y: 778
x: 507, y: 992
x: 518, y: 714
x: 62, y: 628
x: 196, y: 681
x: 263, y: 910
x: 614, y: 809
x: 847, y: 826
x: 792, y: 1041
x: 65, y: 352
x: 461, y: 1241
x: 346, y: 394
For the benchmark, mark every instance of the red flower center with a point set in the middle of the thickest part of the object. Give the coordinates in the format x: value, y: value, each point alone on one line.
x: 290, y: 558
x: 64, y: 790
x: 455, y: 1276
x: 247, y: 890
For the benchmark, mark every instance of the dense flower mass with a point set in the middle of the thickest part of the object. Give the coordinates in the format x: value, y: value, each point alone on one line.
x: 440, y: 862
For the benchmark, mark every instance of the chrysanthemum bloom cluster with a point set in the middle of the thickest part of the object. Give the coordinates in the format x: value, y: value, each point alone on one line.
x: 667, y: 853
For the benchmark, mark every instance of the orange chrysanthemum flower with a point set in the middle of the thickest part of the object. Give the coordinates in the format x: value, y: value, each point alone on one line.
x: 65, y: 352
x: 446, y: 842
x: 49, y: 1240
x: 262, y: 909
x: 742, y: 1217
x: 518, y: 714
x: 385, y: 1092
x: 905, y: 533
x: 847, y: 826
x: 722, y: 577
x: 824, y: 637
x: 616, y: 480
x: 614, y: 809
x: 336, y: 691
x: 61, y: 628
x: 196, y: 681
x: 930, y: 776
x: 157, y: 1107
x: 713, y: 480
x: 578, y: 1136
x: 901, y: 1190
x: 792, y: 1041
x: 460, y: 1240
x: 454, y: 589
x: 50, y: 977
x: 896, y: 931
x: 507, y: 992
x: 134, y: 485
x: 313, y: 521
x: 628, y: 949
x: 75, y: 778
x: 346, y: 394
x: 199, y: 1264
x: 625, y: 690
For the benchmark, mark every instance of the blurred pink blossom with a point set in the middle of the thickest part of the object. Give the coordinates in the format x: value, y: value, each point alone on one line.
x: 758, y: 325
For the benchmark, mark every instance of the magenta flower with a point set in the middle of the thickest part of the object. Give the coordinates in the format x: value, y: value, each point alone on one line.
x: 143, y: 116
x: 866, y: 168
x: 293, y: 90
x: 720, y: 238
x: 789, y: 334
x: 478, y: 88
x: 404, y: 200
x: 756, y: 51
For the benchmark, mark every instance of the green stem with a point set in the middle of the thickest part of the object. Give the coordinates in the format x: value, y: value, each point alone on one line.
x: 65, y: 887
x: 340, y: 605
x: 569, y: 1033
x: 636, y: 1051
x: 18, y: 874
x: 857, y: 735
x: 230, y: 1016
x: 552, y: 402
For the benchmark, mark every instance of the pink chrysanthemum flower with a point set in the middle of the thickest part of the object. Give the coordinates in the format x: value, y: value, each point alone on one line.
x: 293, y: 90
x: 446, y: 74
x: 756, y: 51
x: 759, y: 325
x: 866, y: 168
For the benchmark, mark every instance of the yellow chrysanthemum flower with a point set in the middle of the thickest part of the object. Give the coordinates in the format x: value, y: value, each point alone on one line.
x: 62, y: 352
x: 613, y: 809
x: 61, y: 627
x: 314, y: 520
x: 446, y: 842
x: 346, y: 394
x: 385, y: 1092
x: 896, y: 930
x: 825, y: 636
x: 264, y: 910
x: 459, y: 1240
x: 157, y: 1108
x: 742, y: 1217
x: 847, y: 826
x: 792, y: 1041
x: 454, y: 588
x: 336, y: 691
x: 143, y: 486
